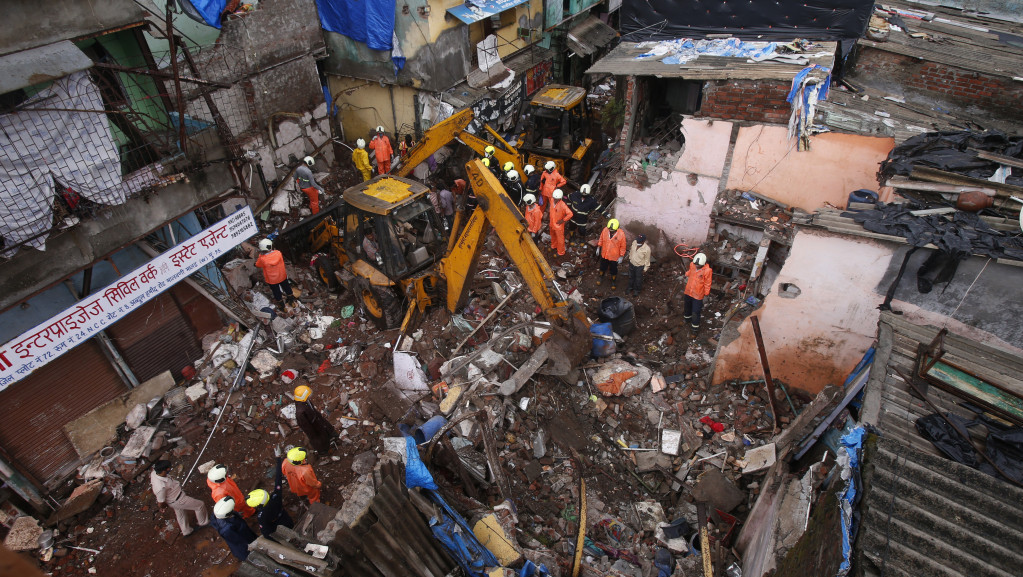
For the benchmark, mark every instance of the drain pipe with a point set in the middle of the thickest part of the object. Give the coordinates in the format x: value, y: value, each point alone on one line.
x: 234, y: 386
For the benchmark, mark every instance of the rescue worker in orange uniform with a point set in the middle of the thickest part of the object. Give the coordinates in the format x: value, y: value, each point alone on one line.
x: 534, y: 216
x: 381, y: 147
x: 610, y: 250
x: 223, y: 486
x: 550, y: 181
x: 698, y: 281
x: 274, y: 273
x: 301, y: 479
x: 306, y: 182
x: 560, y: 214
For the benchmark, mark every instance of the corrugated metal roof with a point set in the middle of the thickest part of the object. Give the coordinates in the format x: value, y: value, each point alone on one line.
x: 622, y: 62
x: 923, y: 514
x: 589, y: 36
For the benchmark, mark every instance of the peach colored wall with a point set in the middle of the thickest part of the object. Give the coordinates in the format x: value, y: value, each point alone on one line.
x: 680, y: 210
x: 706, y: 146
x: 818, y: 337
x: 766, y: 161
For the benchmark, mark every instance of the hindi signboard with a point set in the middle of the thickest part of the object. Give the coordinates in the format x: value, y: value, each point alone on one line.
x: 56, y: 336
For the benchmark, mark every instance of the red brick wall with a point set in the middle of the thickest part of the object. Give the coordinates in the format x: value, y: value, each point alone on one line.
x: 753, y: 100
x: 993, y: 93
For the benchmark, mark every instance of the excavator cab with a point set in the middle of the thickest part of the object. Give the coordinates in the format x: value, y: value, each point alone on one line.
x: 560, y: 131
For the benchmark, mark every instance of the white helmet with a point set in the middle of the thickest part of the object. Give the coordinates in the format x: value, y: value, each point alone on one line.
x: 557, y: 194
x: 550, y: 165
x: 380, y: 129
x: 224, y: 508
x: 266, y: 245
x: 513, y: 176
x: 529, y: 169
x: 309, y: 161
x: 584, y: 190
x: 700, y: 259
x: 529, y: 199
x: 360, y: 143
x: 217, y: 474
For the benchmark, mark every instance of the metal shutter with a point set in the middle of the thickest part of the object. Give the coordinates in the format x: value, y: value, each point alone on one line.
x: 156, y: 338
x: 36, y: 408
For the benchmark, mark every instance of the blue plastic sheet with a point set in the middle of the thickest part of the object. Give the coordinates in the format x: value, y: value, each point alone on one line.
x: 531, y: 570
x: 853, y: 444
x: 210, y: 10
x: 458, y: 539
x: 367, y: 21
x: 416, y: 473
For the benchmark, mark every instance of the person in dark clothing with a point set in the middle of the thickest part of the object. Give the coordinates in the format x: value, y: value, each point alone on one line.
x: 270, y: 506
x: 313, y: 424
x: 532, y: 181
x: 232, y: 528
x: 513, y: 187
x: 582, y: 204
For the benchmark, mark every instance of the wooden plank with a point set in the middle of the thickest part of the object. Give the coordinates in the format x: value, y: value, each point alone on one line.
x: 999, y: 158
x: 935, y: 175
x: 984, y: 392
x: 908, y: 184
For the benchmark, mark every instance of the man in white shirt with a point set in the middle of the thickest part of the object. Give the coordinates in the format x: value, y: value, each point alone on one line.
x: 169, y: 494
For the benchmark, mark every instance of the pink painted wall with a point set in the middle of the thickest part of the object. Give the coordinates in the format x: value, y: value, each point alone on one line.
x: 818, y: 337
x: 706, y: 146
x: 766, y: 161
x: 680, y: 210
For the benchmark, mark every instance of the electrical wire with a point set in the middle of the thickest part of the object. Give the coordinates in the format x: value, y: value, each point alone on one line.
x: 967, y: 293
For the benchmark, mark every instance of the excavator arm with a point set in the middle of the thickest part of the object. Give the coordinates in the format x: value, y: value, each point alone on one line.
x: 497, y: 211
x: 453, y: 128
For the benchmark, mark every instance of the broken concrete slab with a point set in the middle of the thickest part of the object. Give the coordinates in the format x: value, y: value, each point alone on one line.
x: 759, y: 458
x: 138, y: 442
x: 713, y: 487
x: 647, y: 461
x: 525, y: 372
x: 619, y: 378
x: 93, y: 430
x: 24, y: 534
x: 648, y: 515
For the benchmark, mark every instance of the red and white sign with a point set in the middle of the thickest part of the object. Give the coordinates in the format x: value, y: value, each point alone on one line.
x: 50, y: 339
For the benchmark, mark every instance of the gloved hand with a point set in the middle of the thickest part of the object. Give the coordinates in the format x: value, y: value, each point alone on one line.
x: 598, y: 252
x: 620, y: 259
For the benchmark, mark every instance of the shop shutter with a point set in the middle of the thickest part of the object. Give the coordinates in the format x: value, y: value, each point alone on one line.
x: 156, y: 338
x: 36, y: 408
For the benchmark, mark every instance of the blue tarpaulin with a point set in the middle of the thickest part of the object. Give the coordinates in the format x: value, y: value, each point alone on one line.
x: 481, y: 9
x: 367, y: 21
x: 209, y: 10
x: 458, y: 539
x: 852, y: 443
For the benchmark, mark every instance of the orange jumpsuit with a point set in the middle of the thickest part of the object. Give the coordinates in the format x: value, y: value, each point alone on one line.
x: 560, y: 214
x: 548, y: 182
x: 700, y: 278
x: 302, y: 480
x: 534, y: 218
x: 228, y: 488
x: 381, y: 147
x: 272, y: 263
x: 612, y: 247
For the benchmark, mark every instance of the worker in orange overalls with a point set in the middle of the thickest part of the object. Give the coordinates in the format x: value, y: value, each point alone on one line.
x: 274, y: 272
x: 301, y: 479
x: 534, y: 216
x: 610, y: 250
x: 698, y: 280
x: 381, y: 147
x: 223, y: 486
x: 560, y: 214
x: 550, y: 181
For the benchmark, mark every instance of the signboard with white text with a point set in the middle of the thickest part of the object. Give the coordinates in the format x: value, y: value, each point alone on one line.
x: 56, y: 336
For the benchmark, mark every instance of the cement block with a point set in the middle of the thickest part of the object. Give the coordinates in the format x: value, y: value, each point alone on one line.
x: 94, y: 430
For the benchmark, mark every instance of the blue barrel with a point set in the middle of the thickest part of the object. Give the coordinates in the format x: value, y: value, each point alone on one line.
x: 603, y: 347
x: 862, y: 195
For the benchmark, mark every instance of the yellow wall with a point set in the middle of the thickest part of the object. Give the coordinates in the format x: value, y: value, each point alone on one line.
x: 508, y: 41
x: 365, y: 105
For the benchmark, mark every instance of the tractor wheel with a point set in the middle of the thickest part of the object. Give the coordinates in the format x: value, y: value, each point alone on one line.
x: 325, y: 270
x: 380, y: 304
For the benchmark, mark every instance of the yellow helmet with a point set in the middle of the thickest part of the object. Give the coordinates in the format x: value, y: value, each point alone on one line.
x: 508, y: 166
x: 489, y: 150
x: 302, y: 393
x: 296, y: 455
x: 486, y: 162
x: 613, y: 224
x: 257, y: 498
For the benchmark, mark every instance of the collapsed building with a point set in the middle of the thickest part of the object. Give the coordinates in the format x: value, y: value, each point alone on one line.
x: 799, y: 431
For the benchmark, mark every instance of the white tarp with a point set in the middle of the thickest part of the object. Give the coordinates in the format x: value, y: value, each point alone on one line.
x: 39, y: 146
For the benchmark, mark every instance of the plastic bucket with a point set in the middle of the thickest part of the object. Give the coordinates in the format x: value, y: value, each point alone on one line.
x: 603, y: 343
x: 862, y: 195
x: 620, y: 313
x: 427, y: 430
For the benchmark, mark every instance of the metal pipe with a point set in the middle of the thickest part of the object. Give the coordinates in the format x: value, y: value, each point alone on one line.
x: 768, y: 382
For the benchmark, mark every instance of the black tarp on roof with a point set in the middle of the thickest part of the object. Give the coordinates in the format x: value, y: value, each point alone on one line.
x: 762, y: 20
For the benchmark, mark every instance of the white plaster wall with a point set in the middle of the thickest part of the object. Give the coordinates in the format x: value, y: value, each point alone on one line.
x: 818, y: 337
x: 706, y: 146
x: 680, y: 210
